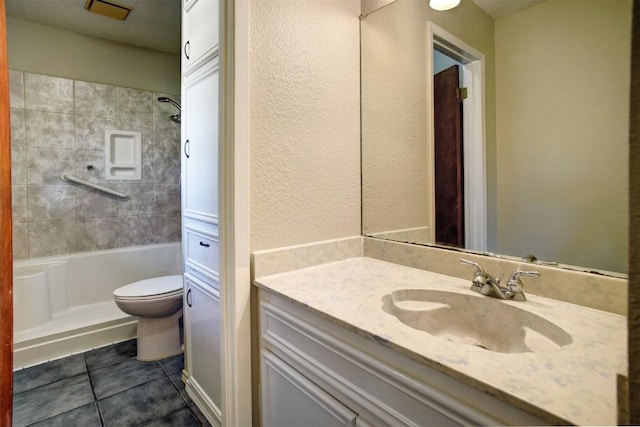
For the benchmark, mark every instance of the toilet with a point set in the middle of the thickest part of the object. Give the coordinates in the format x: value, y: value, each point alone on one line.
x: 157, y: 303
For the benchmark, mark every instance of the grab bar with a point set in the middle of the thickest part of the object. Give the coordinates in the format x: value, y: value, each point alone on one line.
x: 77, y: 180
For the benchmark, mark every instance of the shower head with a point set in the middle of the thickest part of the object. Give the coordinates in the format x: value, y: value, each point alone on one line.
x: 175, y: 117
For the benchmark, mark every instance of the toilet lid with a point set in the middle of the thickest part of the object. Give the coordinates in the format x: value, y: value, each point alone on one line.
x: 150, y: 287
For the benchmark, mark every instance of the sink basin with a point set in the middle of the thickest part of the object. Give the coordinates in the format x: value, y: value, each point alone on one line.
x: 480, y: 321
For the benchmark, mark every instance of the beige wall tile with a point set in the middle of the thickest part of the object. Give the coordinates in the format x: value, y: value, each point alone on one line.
x: 46, y: 93
x: 52, y: 238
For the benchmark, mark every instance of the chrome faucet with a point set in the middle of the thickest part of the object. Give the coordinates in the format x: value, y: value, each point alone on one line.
x: 485, y: 284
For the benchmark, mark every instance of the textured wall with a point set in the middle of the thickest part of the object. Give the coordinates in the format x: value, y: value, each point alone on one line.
x: 563, y: 120
x: 369, y: 6
x: 395, y: 157
x: 57, y: 126
x: 42, y: 49
x: 305, y: 124
x: 395, y: 170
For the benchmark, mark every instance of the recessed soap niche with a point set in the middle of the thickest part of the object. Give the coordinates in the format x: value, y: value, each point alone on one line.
x: 123, y: 155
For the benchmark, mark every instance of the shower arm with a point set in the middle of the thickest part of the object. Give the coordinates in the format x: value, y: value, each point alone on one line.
x: 171, y: 101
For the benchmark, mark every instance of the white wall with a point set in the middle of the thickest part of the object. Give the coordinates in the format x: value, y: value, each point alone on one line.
x: 304, y: 121
x: 42, y: 49
x: 563, y: 126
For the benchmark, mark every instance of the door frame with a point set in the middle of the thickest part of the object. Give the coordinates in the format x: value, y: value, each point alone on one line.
x: 473, y: 133
x: 235, y: 273
x: 6, y: 251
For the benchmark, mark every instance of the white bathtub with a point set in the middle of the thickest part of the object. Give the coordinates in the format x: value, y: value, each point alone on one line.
x: 64, y: 304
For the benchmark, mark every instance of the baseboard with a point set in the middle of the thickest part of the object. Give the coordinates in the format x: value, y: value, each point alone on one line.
x: 36, y: 351
x: 203, y: 402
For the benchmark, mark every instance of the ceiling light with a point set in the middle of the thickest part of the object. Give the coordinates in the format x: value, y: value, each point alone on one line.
x: 443, y: 4
x: 108, y: 8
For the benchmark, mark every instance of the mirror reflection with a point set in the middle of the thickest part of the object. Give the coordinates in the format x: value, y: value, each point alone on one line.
x: 553, y: 91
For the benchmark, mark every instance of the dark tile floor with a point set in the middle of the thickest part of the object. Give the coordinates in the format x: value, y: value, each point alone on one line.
x: 104, y: 387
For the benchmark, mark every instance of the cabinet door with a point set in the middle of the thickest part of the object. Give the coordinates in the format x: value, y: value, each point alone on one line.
x: 290, y: 399
x: 200, y: 149
x: 203, y: 338
x: 201, y: 32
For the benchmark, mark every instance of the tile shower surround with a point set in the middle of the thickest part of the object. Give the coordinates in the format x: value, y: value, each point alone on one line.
x: 57, y: 126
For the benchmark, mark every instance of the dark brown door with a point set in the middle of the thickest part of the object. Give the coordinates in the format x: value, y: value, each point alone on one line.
x: 449, y: 178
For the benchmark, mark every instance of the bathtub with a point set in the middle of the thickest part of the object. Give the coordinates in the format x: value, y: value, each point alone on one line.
x: 64, y: 305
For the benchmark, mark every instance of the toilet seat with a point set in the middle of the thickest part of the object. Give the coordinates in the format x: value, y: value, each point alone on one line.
x: 150, y: 289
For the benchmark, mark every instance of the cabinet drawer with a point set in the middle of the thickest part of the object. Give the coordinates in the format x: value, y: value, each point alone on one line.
x: 202, y: 251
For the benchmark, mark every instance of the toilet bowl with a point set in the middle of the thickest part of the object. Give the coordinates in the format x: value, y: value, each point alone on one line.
x: 157, y: 303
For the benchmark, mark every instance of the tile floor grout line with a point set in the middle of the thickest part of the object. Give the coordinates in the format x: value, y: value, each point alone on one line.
x: 175, y: 387
x: 42, y: 364
x: 93, y: 392
x: 184, y: 400
x: 51, y: 383
x: 138, y: 385
x: 95, y: 399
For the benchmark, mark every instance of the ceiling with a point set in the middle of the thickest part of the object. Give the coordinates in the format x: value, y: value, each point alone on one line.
x: 499, y: 8
x: 153, y: 24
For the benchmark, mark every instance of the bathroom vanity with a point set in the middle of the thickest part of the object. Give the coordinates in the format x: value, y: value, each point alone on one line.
x: 346, y: 343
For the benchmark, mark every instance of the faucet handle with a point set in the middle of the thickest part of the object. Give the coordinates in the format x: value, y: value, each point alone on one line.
x: 478, y: 267
x: 532, y: 259
x: 480, y: 277
x: 514, y: 284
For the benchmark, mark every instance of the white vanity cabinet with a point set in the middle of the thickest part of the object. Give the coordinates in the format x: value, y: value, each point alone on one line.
x: 312, y: 367
x: 199, y: 194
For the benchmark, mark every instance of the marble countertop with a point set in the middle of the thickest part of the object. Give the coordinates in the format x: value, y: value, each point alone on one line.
x: 576, y: 384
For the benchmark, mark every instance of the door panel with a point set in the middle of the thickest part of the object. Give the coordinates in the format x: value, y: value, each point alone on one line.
x: 200, y: 37
x: 449, y: 178
x: 290, y: 399
x: 200, y: 150
x: 203, y: 338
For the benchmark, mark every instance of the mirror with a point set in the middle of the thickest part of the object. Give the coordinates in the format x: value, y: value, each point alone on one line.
x: 555, y: 115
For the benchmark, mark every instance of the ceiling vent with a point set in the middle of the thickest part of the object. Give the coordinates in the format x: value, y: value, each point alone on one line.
x: 108, y: 8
